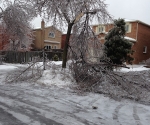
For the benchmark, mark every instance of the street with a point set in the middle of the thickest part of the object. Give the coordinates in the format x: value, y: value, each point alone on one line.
x: 28, y: 104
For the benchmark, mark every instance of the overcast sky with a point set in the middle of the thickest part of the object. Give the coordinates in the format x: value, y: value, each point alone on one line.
x: 128, y: 9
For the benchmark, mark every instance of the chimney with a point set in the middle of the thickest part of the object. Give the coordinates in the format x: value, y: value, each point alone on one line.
x: 42, y: 33
x: 42, y: 24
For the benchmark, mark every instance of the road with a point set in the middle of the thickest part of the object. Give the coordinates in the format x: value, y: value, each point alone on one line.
x: 28, y: 104
x: 37, y: 105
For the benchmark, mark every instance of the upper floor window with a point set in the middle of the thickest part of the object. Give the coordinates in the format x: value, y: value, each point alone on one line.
x: 101, y: 29
x: 128, y: 28
x: 51, y: 34
x: 145, y: 49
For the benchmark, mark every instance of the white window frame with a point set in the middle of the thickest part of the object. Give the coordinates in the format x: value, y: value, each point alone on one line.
x: 51, y: 34
x: 145, y: 49
x: 101, y: 29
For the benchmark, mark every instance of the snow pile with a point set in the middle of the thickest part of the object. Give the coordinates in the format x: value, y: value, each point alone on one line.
x: 4, y: 70
x: 57, y: 76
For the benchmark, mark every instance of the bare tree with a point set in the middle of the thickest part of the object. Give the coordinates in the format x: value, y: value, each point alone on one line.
x: 69, y: 12
x: 16, y: 19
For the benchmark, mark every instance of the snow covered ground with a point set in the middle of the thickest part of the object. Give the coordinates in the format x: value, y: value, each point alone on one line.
x: 50, y: 101
x: 134, y: 68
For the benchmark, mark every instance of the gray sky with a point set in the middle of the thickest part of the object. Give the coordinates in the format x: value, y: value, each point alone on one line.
x: 128, y: 9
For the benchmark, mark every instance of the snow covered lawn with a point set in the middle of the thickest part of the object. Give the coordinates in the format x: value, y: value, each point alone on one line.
x: 50, y: 101
x: 134, y: 68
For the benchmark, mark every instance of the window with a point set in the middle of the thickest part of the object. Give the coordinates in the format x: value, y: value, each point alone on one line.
x: 128, y: 28
x: 47, y: 47
x: 145, y: 49
x: 101, y: 29
x: 51, y: 34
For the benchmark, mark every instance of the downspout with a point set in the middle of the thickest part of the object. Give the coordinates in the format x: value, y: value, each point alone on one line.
x: 137, y: 30
x: 42, y: 33
x: 137, y: 33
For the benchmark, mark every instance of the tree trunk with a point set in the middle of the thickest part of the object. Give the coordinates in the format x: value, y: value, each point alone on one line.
x: 66, y: 45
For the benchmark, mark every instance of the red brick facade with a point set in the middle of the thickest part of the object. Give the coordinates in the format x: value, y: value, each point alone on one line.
x: 63, y: 38
x: 4, y: 39
x: 139, y: 35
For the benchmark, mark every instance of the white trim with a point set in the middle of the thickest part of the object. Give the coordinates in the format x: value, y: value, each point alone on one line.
x: 48, y: 41
x: 126, y: 20
x: 128, y: 30
x: 145, y: 49
x: 130, y: 39
x: 100, y: 29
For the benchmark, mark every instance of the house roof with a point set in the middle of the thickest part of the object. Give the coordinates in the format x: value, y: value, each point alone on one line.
x: 126, y: 20
x: 54, y: 27
x: 47, y: 27
x: 126, y: 37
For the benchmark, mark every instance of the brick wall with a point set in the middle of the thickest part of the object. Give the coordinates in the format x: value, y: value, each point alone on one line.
x: 143, y: 39
x: 63, y: 38
x: 4, y: 40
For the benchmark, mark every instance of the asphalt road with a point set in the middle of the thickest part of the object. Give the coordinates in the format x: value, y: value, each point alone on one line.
x: 18, y: 108
x: 26, y: 104
x: 40, y: 105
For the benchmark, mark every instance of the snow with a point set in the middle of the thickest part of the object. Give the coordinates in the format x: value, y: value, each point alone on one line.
x: 134, y: 68
x: 58, y: 102
x: 7, y: 67
x: 129, y: 20
x: 57, y: 76
x: 130, y: 39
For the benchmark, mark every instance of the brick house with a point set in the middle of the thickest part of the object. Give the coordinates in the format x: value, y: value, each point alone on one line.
x: 47, y: 37
x: 137, y: 32
x: 6, y: 42
x: 4, y: 39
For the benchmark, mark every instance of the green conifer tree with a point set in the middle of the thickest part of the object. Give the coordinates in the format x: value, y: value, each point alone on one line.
x: 55, y: 57
x: 117, y: 48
